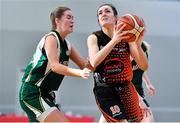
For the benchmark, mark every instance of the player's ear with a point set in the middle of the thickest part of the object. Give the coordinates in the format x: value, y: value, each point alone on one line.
x: 57, y: 20
x: 116, y: 18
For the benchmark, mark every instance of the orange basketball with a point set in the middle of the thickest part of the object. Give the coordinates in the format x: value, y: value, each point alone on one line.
x: 134, y: 24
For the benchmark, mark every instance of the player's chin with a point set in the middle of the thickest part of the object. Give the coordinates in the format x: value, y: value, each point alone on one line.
x: 70, y: 31
x: 107, y: 24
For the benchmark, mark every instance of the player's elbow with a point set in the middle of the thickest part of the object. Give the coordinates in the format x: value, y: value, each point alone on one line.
x: 93, y: 65
x: 144, y: 66
x: 54, y: 67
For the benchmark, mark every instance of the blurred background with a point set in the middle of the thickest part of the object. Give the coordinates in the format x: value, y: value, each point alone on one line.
x: 24, y: 22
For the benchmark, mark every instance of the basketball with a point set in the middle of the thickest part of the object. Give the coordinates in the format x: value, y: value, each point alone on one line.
x: 134, y: 25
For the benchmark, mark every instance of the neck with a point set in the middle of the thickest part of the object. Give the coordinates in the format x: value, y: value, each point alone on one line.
x: 108, y: 31
x: 62, y: 34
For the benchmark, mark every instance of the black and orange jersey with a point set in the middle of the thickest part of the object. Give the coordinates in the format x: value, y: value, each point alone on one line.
x: 118, y: 102
x: 116, y: 67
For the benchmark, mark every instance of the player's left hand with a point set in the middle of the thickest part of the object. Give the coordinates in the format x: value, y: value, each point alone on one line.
x: 151, y: 90
x: 145, y: 110
x: 140, y: 38
x: 85, y: 73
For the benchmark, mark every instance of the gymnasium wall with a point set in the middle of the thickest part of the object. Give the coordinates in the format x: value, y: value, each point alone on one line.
x: 23, y: 23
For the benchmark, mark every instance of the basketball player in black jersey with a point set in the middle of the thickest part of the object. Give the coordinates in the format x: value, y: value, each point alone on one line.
x: 114, y: 92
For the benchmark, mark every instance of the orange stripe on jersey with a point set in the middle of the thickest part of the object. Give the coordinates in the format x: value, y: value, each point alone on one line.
x: 130, y: 101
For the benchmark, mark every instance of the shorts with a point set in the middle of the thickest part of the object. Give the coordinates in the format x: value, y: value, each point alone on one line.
x: 35, y: 102
x: 118, y: 102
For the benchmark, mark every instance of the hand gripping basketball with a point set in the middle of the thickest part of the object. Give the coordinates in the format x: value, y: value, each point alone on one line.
x: 134, y: 25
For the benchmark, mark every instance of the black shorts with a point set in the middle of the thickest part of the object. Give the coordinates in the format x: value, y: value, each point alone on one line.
x: 118, y: 102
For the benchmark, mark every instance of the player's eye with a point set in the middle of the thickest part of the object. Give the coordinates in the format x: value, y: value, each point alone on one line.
x: 69, y: 17
x: 99, y: 13
x: 108, y: 11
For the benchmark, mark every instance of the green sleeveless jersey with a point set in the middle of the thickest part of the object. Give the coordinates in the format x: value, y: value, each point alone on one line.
x: 38, y: 71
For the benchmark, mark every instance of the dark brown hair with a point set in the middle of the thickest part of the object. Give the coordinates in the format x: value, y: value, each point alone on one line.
x: 57, y: 13
x: 110, y: 5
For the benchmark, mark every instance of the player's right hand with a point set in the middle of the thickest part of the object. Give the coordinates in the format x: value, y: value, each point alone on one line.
x: 119, y: 34
x: 85, y: 73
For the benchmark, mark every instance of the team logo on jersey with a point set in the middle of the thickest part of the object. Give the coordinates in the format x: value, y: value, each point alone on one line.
x: 113, y: 67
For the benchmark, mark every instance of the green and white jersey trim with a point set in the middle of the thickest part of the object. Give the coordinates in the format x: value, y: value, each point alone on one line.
x: 38, y: 68
x: 44, y: 106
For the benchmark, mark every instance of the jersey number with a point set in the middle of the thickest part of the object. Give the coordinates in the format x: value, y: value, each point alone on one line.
x: 115, y: 109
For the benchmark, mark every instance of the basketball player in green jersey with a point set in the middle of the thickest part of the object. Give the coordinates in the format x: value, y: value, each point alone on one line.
x: 46, y: 70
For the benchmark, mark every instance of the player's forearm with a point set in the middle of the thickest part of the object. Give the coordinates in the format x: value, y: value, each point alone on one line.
x: 64, y: 70
x: 139, y: 56
x: 146, y: 79
x: 142, y: 59
x: 81, y: 62
x: 102, y: 54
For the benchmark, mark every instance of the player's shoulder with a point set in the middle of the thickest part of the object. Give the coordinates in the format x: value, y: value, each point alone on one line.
x: 98, y: 33
x: 92, y: 38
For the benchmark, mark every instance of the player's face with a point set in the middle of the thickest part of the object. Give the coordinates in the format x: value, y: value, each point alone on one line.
x: 66, y: 22
x: 106, y: 16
